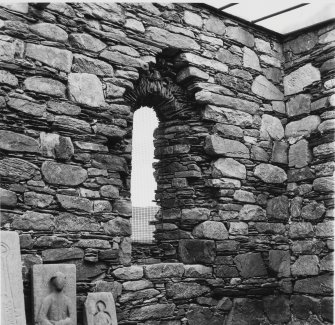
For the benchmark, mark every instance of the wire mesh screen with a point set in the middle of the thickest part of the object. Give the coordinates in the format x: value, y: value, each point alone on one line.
x: 142, y: 231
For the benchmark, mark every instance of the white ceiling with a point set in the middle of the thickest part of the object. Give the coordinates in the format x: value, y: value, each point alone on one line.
x: 312, y: 13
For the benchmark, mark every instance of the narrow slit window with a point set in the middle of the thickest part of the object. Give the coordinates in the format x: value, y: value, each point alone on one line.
x: 143, y: 183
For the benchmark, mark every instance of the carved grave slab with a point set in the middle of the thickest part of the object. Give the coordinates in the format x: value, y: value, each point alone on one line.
x: 54, y: 292
x: 12, y: 299
x: 100, y: 309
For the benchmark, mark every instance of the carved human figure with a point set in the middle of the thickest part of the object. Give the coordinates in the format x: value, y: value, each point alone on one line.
x: 56, y: 308
x: 101, y: 317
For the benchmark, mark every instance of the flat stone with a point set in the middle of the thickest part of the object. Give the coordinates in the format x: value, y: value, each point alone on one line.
x: 299, y: 104
x: 86, y: 42
x: 327, y: 37
x: 62, y: 254
x: 228, y: 130
x: 271, y: 127
x: 118, y: 227
x: 270, y: 174
x: 37, y: 200
x: 7, y: 51
x: 94, y: 315
x: 197, y: 315
x: 137, y: 285
x: 49, y: 31
x: 8, y: 78
x: 303, y: 305
x: 110, y: 162
x: 240, y: 35
x: 226, y: 56
x: 278, y: 208
x: 196, y: 214
x: 164, y: 270
x: 74, y: 203
x: 324, y: 184
x: 66, y: 221
x: 31, y: 220
x: 109, y: 191
x: 215, y: 25
x: 12, y: 284
x: 86, y: 89
x: 327, y: 66
x: 217, y: 146
x: 72, y: 124
x: 301, y: 230
x: 298, y: 175
x: 327, y: 263
x: 51, y: 56
x: 93, y: 243
x: 300, y: 154
x: 244, y: 196
x: 85, y: 64
x: 250, y: 59
x: 319, y: 104
x: 305, y: 265
x: 307, y: 246
x: 270, y: 228
x: 185, y: 290
x: 228, y: 167
x: 277, y: 308
x: 62, y: 174
x: 43, y: 294
x: 263, y: 46
x: 302, y: 43
x: 192, y: 19
x: 326, y: 126
x: 279, y: 152
x: 297, y: 80
x: 324, y: 150
x: 16, y: 169
x: 45, y: 86
x: 279, y: 262
x: 63, y: 108
x: 134, y: 272
x: 193, y: 251
x: 278, y: 106
x: 259, y: 154
x: 246, y: 311
x: 319, y: 285
x: 123, y: 59
x: 313, y: 211
x: 134, y: 25
x: 102, y: 206
x: 324, y: 229
x: 11, y: 141
x: 174, y: 40
x: 270, y: 60
x: 193, y: 59
x: 207, y: 97
x: 110, y: 131
x: 156, y: 311
x: 327, y: 309
x: 198, y: 271
x: 191, y: 72
x: 211, y: 230
x: 250, y: 212
x: 8, y: 198
x: 266, y: 89
x: 238, y: 228
x: 27, y: 107
x: 295, y: 207
x: 250, y: 265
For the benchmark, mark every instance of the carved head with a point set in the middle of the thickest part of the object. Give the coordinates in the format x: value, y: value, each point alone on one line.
x: 101, y: 306
x: 58, y: 281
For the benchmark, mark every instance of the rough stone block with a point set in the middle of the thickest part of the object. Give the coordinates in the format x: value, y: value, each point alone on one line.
x: 297, y: 105
x: 240, y: 35
x: 301, y: 230
x: 32, y: 220
x: 156, y: 311
x: 324, y: 184
x: 85, y: 64
x: 278, y: 208
x: 86, y: 42
x: 134, y: 272
x: 250, y: 212
x: 16, y: 169
x: 250, y: 265
x: 8, y: 78
x: 270, y: 174
x: 193, y: 251
x: 271, y: 126
x: 191, y: 72
x: 299, y: 154
x: 324, y: 229
x: 279, y: 262
x: 118, y: 227
x: 75, y: 203
x: 228, y: 167
x: 250, y: 59
x: 49, y: 31
x: 305, y: 265
x: 164, y: 270
x: 11, y: 141
x: 215, y: 25
x: 279, y: 152
x: 45, y: 86
x: 313, y: 211
x: 37, y: 200
x: 210, y: 230
x: 319, y: 285
x: 277, y: 309
x: 266, y: 89
x: 185, y: 290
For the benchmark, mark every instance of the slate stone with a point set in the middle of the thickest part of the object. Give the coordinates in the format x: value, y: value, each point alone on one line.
x: 299, y: 104
x: 123, y: 59
x: 270, y: 228
x: 93, y: 243
x: 228, y: 167
x: 313, y: 211
x: 152, y: 311
x: 244, y: 196
x: 37, y: 200
x: 210, y: 230
x: 110, y: 131
x: 27, y: 107
x: 300, y: 154
x: 305, y: 265
x: 266, y: 89
x: 72, y: 124
x: 52, y: 241
x: 134, y: 272
x: 134, y: 25
x: 300, y: 78
x: 164, y: 270
x: 307, y: 247
x: 8, y: 198
x: 102, y: 206
x: 31, y: 220
x: 226, y: 56
x: 279, y: 262
x: 327, y: 126
x: 63, y: 108
x: 110, y: 162
x: 86, y: 89
x: 198, y: 271
x: 185, y: 290
x: 259, y: 154
x: 327, y: 66
x: 303, y: 305
x: 250, y: 212
x: 53, y: 145
x: 277, y: 309
x: 122, y: 207
x: 327, y: 37
x: 279, y: 152
x: 45, y: 86
x: 198, y: 315
x: 324, y: 184
x: 324, y: 150
x: 118, y: 227
x: 324, y: 229
x: 228, y: 130
x: 302, y: 127
x: 85, y: 64
x: 74, y: 203
x: 193, y: 251
x: 318, y: 285
x: 137, y: 285
x: 109, y: 191
x: 298, y: 175
x: 278, y: 208
x: 327, y: 309
x: 8, y: 78
x: 11, y: 141
x: 270, y: 174
x: 327, y: 263
x: 16, y: 169
x: 67, y: 221
x: 215, y: 25
x: 191, y: 72
x: 240, y: 35
x: 86, y: 42
x: 57, y: 58
x: 139, y: 295
x: 238, y: 228
x: 301, y: 230
x: 62, y: 254
x: 303, y: 43
x: 62, y: 174
x: 250, y: 59
x: 49, y: 31
x: 271, y: 127
x: 246, y: 311
x: 250, y: 265
x: 217, y: 146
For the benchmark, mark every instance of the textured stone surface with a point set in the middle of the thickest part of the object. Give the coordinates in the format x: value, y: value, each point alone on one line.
x: 86, y: 42
x: 266, y: 89
x: 313, y: 211
x: 85, y: 64
x: 51, y: 56
x: 215, y: 25
x: 49, y: 31
x: 74, y: 203
x: 164, y: 270
x: 240, y: 35
x: 34, y: 221
x: 305, y: 265
x: 252, y: 212
x: 211, y: 230
x: 194, y: 251
x: 302, y: 127
x: 270, y: 174
x: 129, y: 273
x: 45, y: 86
x: 86, y: 89
x: 7, y: 198
x: 250, y: 59
x: 272, y: 126
x: 277, y: 308
x: 11, y: 141
x: 8, y: 78
x: 297, y: 105
x: 279, y: 262
x: 278, y: 208
x: 27, y: 107
x: 301, y: 230
x: 279, y: 152
x: 229, y: 167
x: 299, y: 154
x: 324, y: 184
x: 152, y: 311
x: 17, y: 169
x: 250, y: 265
x: 118, y: 227
x: 300, y: 78
x: 319, y: 285
x: 185, y: 290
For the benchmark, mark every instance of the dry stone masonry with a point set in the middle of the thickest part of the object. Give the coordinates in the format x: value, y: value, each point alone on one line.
x: 245, y: 159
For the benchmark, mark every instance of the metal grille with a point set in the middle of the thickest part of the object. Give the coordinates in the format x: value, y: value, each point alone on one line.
x: 142, y: 231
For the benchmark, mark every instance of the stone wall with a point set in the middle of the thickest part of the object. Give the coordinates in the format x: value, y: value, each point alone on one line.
x: 244, y: 233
